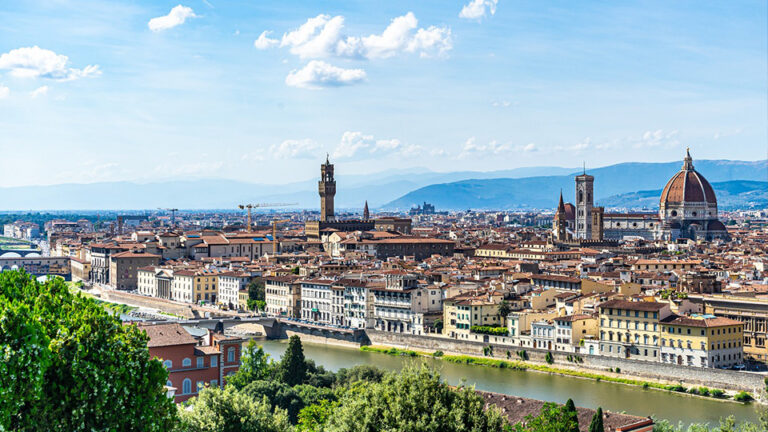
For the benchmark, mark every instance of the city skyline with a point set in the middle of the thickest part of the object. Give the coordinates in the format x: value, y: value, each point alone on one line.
x: 156, y: 91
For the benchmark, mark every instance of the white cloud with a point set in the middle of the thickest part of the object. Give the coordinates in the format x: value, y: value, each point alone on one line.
x: 33, y: 62
x: 317, y: 74
x: 472, y: 147
x: 264, y: 41
x: 658, y: 138
x: 176, y: 17
x: 351, y: 143
x: 40, y: 91
x: 322, y: 37
x: 294, y: 149
x: 501, y: 104
x: 476, y: 9
x: 4, y: 91
x: 438, y: 152
x: 358, y: 144
x: 530, y: 147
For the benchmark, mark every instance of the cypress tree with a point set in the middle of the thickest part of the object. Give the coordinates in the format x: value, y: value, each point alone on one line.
x: 597, y: 421
x: 573, y: 416
x: 293, y: 366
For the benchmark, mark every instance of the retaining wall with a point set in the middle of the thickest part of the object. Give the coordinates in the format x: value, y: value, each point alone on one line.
x: 713, y: 378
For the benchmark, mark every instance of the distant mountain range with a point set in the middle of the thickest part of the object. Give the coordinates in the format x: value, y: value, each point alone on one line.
x: 352, y: 191
x: 520, y: 188
x: 611, y: 183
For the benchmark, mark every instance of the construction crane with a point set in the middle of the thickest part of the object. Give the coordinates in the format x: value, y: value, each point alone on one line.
x: 274, y: 233
x: 261, y: 205
x: 173, y: 215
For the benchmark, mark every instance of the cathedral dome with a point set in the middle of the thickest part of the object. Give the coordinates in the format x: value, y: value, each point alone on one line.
x: 687, y: 186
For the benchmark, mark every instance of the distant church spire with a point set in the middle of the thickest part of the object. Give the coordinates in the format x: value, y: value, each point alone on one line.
x: 561, y: 205
x: 366, y: 213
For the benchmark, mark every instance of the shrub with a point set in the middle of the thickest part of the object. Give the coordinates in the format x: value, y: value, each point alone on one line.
x: 676, y: 388
x: 496, y: 331
x: 437, y: 354
x: 522, y: 354
x: 509, y: 354
x: 617, y: 370
x: 646, y: 385
x: 743, y: 396
x: 549, y: 359
x: 717, y: 393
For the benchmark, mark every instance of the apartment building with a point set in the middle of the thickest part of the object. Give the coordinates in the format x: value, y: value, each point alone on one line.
x: 317, y: 301
x: 469, y: 309
x: 753, y: 313
x: 630, y: 329
x: 357, y: 303
x: 282, y: 294
x: 397, y: 305
x: 572, y: 329
x: 229, y: 285
x: 123, y: 268
x: 182, y: 287
x: 702, y: 341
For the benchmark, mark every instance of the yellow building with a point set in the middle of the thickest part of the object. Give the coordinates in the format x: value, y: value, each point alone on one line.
x: 630, y: 329
x: 205, y: 287
x: 702, y: 341
x: 464, y: 311
x: 242, y: 299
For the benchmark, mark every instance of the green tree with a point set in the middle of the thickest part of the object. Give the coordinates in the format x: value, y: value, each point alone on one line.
x: 504, y: 310
x: 256, y: 289
x: 293, y: 365
x: 229, y: 410
x: 570, y: 408
x: 314, y: 417
x: 255, y: 365
x: 438, y: 325
x: 552, y: 418
x: 68, y: 364
x: 596, y: 425
x: 415, y: 399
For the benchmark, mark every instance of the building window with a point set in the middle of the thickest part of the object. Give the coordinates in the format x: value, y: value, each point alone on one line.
x: 214, y: 361
x: 231, y: 354
x: 200, y: 362
x: 186, y: 362
x: 214, y: 383
x: 186, y: 386
x: 168, y: 364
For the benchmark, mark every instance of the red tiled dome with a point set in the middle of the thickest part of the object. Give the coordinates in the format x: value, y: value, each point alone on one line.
x: 688, y: 186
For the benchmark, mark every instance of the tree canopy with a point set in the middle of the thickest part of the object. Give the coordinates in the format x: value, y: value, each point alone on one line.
x: 415, y: 399
x: 69, y: 365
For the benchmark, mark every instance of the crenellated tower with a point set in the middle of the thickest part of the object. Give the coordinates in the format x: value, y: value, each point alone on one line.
x: 326, y: 187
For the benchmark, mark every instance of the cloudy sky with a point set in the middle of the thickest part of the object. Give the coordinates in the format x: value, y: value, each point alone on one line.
x: 261, y: 90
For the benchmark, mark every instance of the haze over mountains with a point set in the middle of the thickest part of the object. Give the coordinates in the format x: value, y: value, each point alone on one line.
x: 618, y: 185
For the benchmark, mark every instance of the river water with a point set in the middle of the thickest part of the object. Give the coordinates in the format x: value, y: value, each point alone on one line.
x: 542, y: 386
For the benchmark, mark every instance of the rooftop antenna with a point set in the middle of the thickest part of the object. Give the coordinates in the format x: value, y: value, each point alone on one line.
x: 585, y: 167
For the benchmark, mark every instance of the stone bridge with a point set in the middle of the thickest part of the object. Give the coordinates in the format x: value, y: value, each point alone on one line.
x: 223, y: 324
x: 19, y: 253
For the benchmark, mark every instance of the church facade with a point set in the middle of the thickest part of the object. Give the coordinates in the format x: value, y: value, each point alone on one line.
x: 687, y: 209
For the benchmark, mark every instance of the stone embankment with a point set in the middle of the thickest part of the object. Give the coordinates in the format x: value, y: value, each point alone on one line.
x: 661, y: 372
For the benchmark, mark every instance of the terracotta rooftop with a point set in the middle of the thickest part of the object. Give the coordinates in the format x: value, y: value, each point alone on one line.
x: 166, y: 335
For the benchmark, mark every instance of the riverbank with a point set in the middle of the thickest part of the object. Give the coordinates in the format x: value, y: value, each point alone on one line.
x: 635, y: 400
x: 731, y: 382
x: 522, y: 365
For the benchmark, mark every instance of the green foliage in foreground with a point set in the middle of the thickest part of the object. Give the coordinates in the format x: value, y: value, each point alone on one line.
x: 414, y: 399
x: 67, y: 364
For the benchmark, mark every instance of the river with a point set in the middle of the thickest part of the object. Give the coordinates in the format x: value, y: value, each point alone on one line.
x: 587, y: 393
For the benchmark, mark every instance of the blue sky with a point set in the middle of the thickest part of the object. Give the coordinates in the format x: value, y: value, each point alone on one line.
x: 151, y: 90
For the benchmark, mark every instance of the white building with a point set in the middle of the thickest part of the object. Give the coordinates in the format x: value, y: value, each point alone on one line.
x: 317, y: 301
x: 230, y: 283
